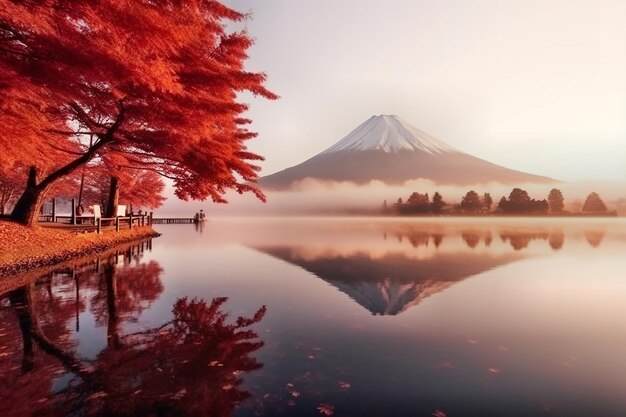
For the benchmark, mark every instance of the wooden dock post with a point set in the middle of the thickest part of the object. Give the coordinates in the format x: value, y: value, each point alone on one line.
x: 130, y: 220
x: 98, y: 225
x: 117, y: 224
x: 54, y: 210
x: 150, y: 218
x: 73, y: 216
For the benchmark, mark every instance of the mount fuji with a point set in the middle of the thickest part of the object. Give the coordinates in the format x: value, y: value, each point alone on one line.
x: 388, y: 149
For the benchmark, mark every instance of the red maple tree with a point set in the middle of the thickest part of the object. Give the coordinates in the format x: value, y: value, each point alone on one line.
x: 137, y: 189
x: 153, y: 82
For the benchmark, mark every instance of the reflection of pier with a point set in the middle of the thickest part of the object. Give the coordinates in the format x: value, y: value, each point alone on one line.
x: 116, y: 256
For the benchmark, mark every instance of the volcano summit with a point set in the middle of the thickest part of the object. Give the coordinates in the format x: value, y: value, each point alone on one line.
x: 388, y: 149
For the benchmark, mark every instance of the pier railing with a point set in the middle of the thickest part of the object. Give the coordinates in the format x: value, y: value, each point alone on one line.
x: 92, y: 223
x: 177, y: 220
x: 100, y: 224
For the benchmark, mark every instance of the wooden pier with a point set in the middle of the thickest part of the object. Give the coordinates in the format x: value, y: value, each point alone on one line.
x: 196, y: 219
x: 176, y: 220
x: 84, y: 224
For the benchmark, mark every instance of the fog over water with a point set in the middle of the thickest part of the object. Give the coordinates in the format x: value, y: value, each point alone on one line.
x: 316, y: 197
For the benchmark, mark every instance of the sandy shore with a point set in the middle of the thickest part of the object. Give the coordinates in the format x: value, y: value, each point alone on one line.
x: 23, y: 248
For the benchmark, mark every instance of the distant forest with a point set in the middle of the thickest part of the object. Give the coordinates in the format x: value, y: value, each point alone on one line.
x: 518, y: 202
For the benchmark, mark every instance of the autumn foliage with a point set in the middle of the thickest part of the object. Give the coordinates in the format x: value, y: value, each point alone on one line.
x: 154, y: 84
x: 137, y: 188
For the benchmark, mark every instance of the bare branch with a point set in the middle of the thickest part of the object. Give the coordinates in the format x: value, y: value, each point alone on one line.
x: 70, y: 132
x: 58, y: 148
x: 161, y: 173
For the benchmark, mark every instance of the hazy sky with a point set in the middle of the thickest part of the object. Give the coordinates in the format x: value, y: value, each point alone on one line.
x: 533, y: 85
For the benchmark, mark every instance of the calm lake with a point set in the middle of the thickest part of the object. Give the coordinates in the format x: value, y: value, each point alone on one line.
x: 343, y: 317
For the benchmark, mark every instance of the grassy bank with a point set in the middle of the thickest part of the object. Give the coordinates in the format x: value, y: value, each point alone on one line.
x: 23, y: 248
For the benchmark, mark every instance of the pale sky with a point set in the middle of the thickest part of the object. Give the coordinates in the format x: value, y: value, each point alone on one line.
x: 538, y: 86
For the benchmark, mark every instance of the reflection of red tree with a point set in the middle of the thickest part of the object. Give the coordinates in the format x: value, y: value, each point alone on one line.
x: 55, y: 308
x: 134, y: 287
x: 39, y: 314
x: 27, y: 375
x: 190, y: 366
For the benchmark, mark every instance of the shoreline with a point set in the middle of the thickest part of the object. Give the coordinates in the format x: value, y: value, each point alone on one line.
x: 52, y: 247
x: 12, y: 281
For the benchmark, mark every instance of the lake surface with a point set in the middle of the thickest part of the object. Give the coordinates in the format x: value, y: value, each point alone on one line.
x: 343, y: 317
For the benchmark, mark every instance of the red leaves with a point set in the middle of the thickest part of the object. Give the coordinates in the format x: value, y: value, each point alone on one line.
x: 172, y: 66
x: 326, y: 409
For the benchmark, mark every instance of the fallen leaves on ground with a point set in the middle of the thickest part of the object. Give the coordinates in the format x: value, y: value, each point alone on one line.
x: 24, y: 248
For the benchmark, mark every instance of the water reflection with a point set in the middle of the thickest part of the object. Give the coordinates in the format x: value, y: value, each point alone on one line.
x: 518, y: 238
x: 369, y: 317
x: 390, y: 283
x: 594, y: 237
x: 192, y: 364
x: 390, y: 279
x: 556, y: 240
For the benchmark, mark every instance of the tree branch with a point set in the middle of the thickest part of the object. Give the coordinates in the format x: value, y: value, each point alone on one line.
x: 105, y: 138
x: 149, y: 169
x: 58, y: 148
x: 70, y: 132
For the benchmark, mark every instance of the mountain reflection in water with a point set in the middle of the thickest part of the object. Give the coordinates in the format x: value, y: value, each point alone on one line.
x: 185, y: 366
x: 391, y: 281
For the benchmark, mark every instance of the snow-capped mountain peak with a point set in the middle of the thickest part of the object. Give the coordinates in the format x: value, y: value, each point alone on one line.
x: 386, y: 148
x: 389, y: 133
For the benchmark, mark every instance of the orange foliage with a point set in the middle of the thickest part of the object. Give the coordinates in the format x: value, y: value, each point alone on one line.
x: 11, y: 185
x: 138, y: 188
x: 154, y: 83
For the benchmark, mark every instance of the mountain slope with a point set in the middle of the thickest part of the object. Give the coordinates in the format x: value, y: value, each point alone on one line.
x: 388, y: 149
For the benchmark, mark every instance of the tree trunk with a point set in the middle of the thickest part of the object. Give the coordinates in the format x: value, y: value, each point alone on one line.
x: 27, y: 206
x: 114, y: 195
x: 26, y: 210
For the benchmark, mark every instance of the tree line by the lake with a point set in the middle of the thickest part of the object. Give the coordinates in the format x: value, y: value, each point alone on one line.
x: 518, y: 202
